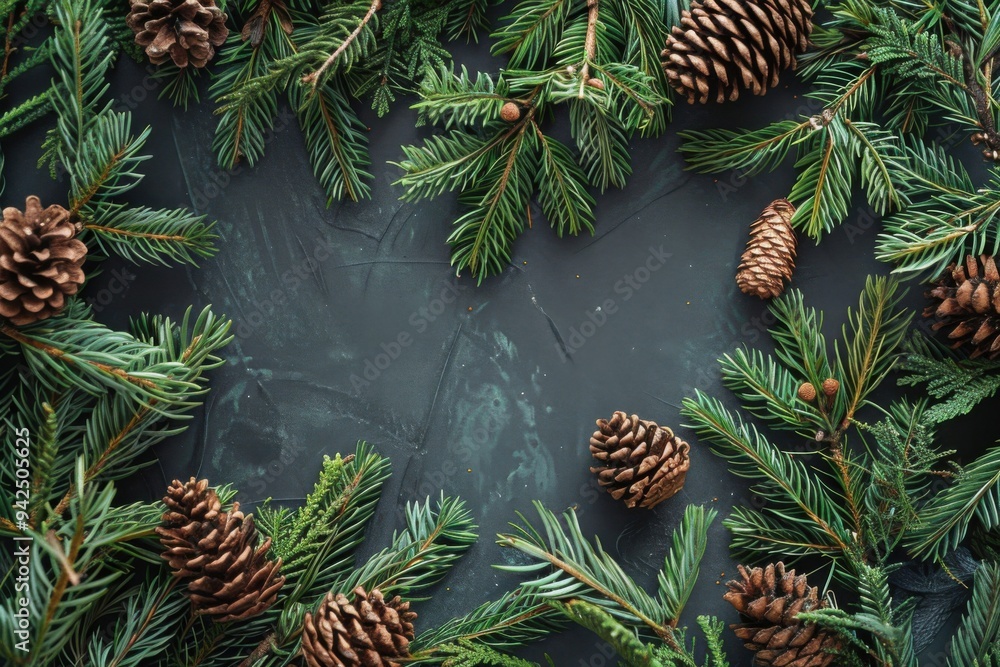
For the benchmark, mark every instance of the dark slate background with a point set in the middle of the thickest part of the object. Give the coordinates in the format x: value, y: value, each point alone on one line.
x: 482, y: 403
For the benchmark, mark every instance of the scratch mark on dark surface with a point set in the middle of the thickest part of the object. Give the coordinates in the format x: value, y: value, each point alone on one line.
x: 633, y: 214
x: 552, y: 325
x: 378, y: 247
x: 184, y: 171
x: 386, y: 261
x: 437, y: 389
x: 267, y: 394
x: 232, y: 293
x: 353, y: 230
x: 267, y: 243
x: 203, y: 441
x: 657, y: 398
x: 313, y: 267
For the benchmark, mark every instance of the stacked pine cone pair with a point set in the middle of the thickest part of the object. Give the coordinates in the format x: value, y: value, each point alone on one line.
x: 770, y: 600
x: 184, y: 31
x: 229, y: 576
x: 723, y: 47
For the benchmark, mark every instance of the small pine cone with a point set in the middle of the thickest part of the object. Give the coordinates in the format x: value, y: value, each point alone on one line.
x: 770, y: 600
x: 366, y: 632
x: 640, y: 462
x: 185, y: 31
x: 968, y: 303
x: 41, y: 262
x: 229, y: 576
x: 724, y: 46
x: 830, y: 387
x: 807, y: 392
x: 769, y: 260
x: 510, y: 112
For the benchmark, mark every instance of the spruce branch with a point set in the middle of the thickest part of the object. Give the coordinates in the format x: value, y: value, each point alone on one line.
x: 313, y: 78
x: 795, y: 494
x: 511, y: 620
x: 571, y: 567
x: 434, y: 539
x: 944, y: 520
x: 977, y: 638
x: 141, y: 234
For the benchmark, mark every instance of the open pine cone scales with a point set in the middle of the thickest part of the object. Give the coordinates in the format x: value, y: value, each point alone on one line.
x: 185, y: 31
x: 229, y: 576
x: 967, y: 300
x: 40, y: 261
x: 722, y: 47
x: 368, y: 631
x: 769, y: 260
x: 640, y: 462
x: 770, y: 599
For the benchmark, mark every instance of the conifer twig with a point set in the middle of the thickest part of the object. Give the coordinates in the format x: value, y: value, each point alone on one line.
x: 313, y: 78
x: 589, y: 44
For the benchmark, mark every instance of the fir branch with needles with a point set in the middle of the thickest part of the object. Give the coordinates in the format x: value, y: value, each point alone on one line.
x: 891, y: 84
x: 323, y: 57
x: 600, y: 61
x: 570, y: 567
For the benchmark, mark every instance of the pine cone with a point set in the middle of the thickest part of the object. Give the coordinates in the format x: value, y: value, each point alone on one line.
x: 723, y: 46
x: 769, y: 260
x: 368, y: 632
x: 229, y: 577
x: 185, y: 31
x: 640, y: 462
x: 40, y: 261
x: 969, y: 303
x: 771, y: 599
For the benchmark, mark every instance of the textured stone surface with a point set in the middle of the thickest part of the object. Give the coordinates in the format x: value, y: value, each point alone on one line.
x: 506, y: 379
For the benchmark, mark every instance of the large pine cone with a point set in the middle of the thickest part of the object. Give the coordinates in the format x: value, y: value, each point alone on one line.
x: 724, y: 46
x: 185, y: 31
x: 229, y: 577
x: 40, y: 261
x: 366, y: 632
x: 769, y: 260
x: 770, y: 599
x: 640, y: 462
x: 969, y: 303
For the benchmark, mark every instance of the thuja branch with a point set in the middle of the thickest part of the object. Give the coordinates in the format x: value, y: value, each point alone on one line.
x: 314, y: 77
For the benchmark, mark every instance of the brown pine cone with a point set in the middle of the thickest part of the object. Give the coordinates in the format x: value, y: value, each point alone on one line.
x: 229, y: 577
x: 770, y: 599
x: 724, y: 46
x: 40, y: 261
x: 968, y: 302
x: 366, y: 632
x: 641, y: 462
x: 769, y: 260
x: 185, y: 31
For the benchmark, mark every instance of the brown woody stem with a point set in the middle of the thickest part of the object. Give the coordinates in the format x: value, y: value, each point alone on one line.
x: 263, y: 648
x: 590, y: 43
x: 314, y: 77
